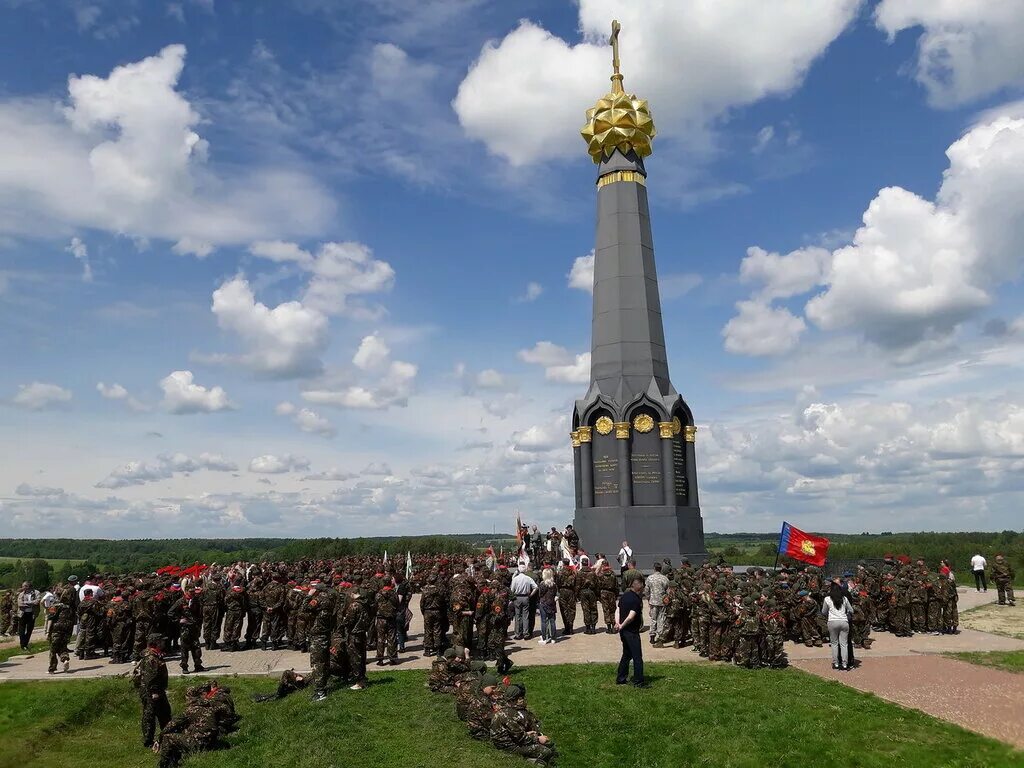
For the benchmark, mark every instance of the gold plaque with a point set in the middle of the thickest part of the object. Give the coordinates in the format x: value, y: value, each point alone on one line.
x: 604, y: 425
x: 677, y: 425
x: 643, y: 423
x: 691, y: 434
x: 621, y: 429
x: 666, y: 430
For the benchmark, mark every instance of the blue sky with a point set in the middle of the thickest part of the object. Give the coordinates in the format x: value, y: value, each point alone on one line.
x: 316, y: 268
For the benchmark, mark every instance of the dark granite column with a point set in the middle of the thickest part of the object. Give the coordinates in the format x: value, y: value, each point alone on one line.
x: 586, y: 467
x: 668, y: 474
x: 576, y: 467
x: 625, y: 466
x: 690, y: 433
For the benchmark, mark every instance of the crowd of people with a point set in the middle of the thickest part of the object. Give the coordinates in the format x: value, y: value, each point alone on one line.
x: 342, y: 611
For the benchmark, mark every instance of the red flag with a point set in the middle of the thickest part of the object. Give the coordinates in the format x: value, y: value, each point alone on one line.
x: 171, y: 570
x: 193, y: 571
x: 802, y: 546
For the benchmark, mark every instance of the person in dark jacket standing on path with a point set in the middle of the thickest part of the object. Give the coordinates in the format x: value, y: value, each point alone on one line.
x: 629, y: 621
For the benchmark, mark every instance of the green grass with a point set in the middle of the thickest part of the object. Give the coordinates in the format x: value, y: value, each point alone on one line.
x: 1012, y: 661
x: 39, y: 646
x: 692, y: 716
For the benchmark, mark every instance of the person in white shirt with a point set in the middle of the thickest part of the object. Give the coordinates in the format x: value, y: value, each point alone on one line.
x: 978, y: 565
x: 523, y: 587
x: 838, y: 610
x: 625, y: 555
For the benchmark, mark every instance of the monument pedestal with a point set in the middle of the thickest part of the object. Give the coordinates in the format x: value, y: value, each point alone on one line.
x: 653, y: 533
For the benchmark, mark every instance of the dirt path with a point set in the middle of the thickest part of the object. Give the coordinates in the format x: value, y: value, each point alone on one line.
x: 988, y: 701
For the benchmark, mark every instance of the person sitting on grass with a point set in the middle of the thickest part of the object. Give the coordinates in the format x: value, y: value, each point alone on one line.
x: 516, y: 729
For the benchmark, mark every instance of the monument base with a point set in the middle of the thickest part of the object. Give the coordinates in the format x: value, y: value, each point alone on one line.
x: 653, y: 533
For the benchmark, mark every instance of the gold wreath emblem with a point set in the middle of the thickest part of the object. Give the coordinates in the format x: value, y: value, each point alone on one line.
x: 677, y: 425
x: 604, y: 425
x: 643, y: 423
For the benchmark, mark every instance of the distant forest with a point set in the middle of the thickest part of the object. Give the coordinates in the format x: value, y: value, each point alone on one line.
x: 43, y: 561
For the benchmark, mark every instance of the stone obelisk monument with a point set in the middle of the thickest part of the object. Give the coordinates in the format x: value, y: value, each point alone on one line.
x: 633, y: 434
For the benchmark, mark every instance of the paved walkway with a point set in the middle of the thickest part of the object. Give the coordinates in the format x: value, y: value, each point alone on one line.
x: 909, y: 671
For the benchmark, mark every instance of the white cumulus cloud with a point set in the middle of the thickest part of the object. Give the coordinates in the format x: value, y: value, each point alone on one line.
x: 269, y: 464
x: 581, y: 276
x: 182, y: 395
x: 40, y: 396
x: 693, y: 61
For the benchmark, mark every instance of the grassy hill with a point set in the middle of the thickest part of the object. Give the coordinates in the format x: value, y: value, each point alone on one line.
x: 694, y: 715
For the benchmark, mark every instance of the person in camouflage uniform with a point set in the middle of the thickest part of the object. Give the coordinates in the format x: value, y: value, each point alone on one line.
x: 339, y: 635
x: 235, y: 607
x: 188, y: 613
x: 462, y: 605
x: 255, y: 612
x: 480, y: 707
x: 748, y: 624
x: 290, y: 682
x: 465, y: 684
x: 356, y: 620
x: 774, y: 624
x: 565, y: 578
x: 446, y: 670
x: 482, y: 618
x: 387, y: 633
x: 121, y: 624
x: 150, y: 679
x: 701, y: 621
x: 588, y: 591
x: 501, y: 598
x: 142, y: 616
x: 860, y: 627
x: 320, y: 608
x: 6, y: 611
x: 945, y: 592
x: 294, y: 603
x: 515, y: 729
x: 900, y: 613
x: 608, y: 584
x: 62, y: 622
x: 212, y: 611
x: 806, y: 612
x: 275, y: 619
x: 1003, y: 575
x: 432, y: 606
x: 721, y: 620
x: 197, y: 729
x: 90, y: 616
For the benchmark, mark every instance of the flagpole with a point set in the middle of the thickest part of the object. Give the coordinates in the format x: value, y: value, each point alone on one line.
x: 778, y: 549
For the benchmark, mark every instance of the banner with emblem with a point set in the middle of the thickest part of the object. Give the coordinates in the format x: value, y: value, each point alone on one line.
x: 801, y: 546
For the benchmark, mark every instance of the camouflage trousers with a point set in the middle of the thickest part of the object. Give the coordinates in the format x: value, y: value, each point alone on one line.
x: 702, y: 635
x: 86, y: 638
x: 588, y: 604
x: 809, y: 633
x: 950, y: 616
x: 567, y: 607
x: 1004, y: 590
x: 355, y: 647
x: 934, y: 616
x: 608, y: 600
x: 860, y: 633
x: 480, y: 634
x: 919, y: 617
x: 773, y: 651
x: 273, y: 627
x: 495, y: 646
x: 433, y: 640
x: 534, y: 751
x: 320, y: 662
x: 387, y: 638
x: 899, y: 621
x: 58, y: 647
x: 719, y: 642
x: 211, y: 627
x: 748, y: 652
x: 253, y: 624
x: 121, y: 641
x: 190, y: 646
x: 338, y: 655
x: 462, y: 630
x: 677, y: 627
x: 154, y: 711
x: 175, y: 747
x: 232, y: 627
